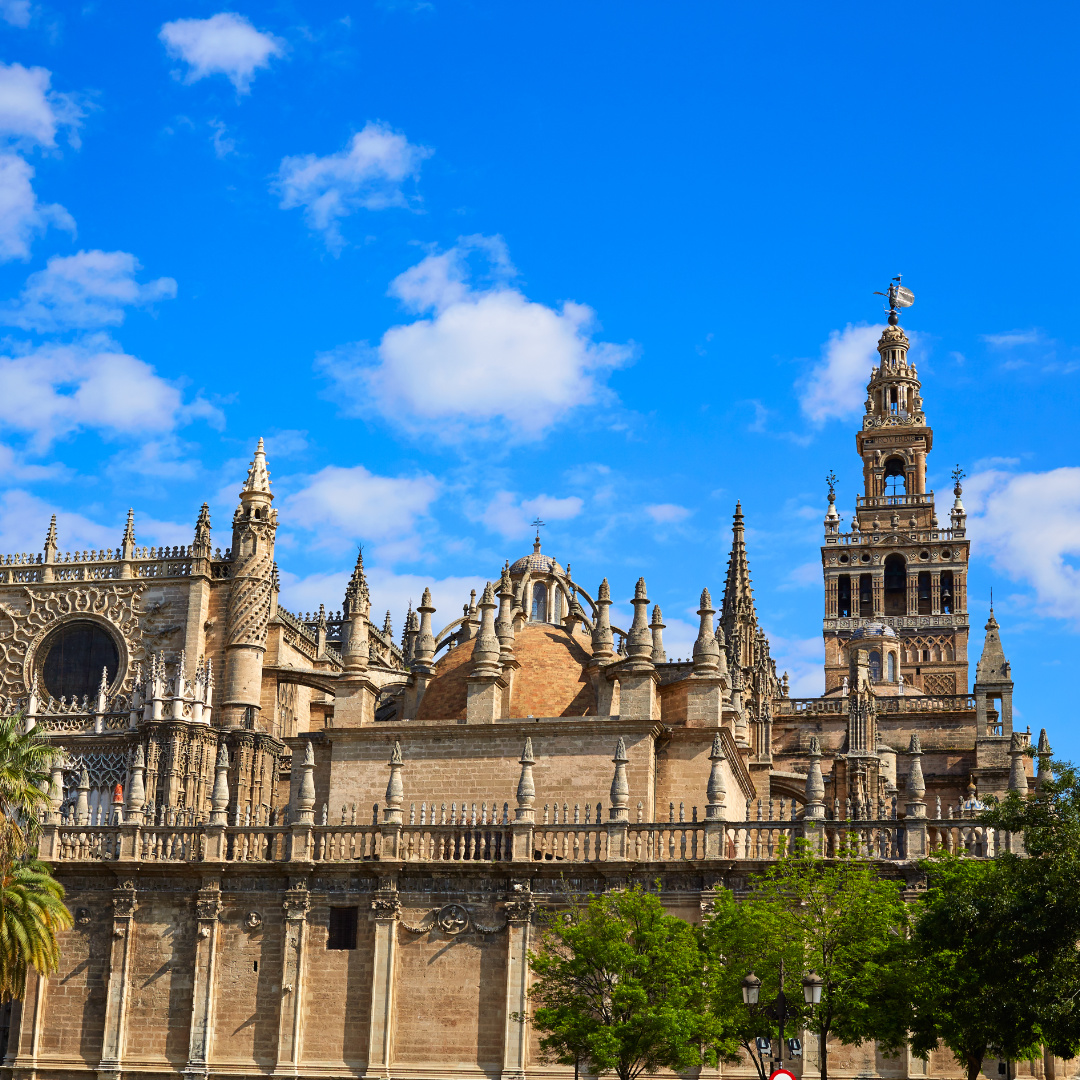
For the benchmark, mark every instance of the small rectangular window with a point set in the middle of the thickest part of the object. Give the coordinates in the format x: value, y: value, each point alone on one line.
x: 342, y: 928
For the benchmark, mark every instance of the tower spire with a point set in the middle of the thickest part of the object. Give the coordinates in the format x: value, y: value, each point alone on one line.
x: 738, y: 617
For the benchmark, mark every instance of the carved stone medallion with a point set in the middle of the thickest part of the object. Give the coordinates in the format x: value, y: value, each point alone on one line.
x: 453, y: 919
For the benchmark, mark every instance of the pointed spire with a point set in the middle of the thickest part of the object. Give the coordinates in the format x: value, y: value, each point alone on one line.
x: 738, y: 595
x: 357, y: 594
x: 601, y: 635
x: 657, y: 628
x: 706, y: 650
x: 201, y: 548
x: 258, y: 475
x: 639, y: 640
x: 50, y: 541
x: 388, y: 627
x: 992, y: 666
x: 486, y: 650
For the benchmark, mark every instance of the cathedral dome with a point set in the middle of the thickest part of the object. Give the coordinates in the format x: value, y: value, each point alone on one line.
x: 538, y: 564
x: 551, y: 681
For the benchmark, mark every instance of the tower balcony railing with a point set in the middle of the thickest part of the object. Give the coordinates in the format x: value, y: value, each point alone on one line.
x: 900, y: 703
x: 870, y: 501
x: 107, y: 564
x: 854, y: 539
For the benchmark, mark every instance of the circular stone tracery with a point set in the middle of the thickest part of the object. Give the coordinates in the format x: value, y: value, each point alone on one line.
x: 71, y: 659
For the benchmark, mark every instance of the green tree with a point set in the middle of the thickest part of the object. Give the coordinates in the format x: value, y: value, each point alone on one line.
x: 32, y: 911
x: 620, y: 985
x: 836, y: 917
x: 32, y: 914
x: 969, y: 975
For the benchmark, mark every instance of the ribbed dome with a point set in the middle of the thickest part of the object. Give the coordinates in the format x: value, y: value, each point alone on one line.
x: 538, y: 564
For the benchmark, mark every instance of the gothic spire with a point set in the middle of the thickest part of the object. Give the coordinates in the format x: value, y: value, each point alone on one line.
x: 993, y: 667
x: 738, y: 604
x: 357, y: 595
x: 258, y: 475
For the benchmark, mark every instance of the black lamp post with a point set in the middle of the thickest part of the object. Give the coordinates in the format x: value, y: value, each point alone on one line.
x: 781, y: 1010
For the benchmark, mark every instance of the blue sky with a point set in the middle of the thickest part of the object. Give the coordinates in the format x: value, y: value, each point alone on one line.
x: 466, y: 263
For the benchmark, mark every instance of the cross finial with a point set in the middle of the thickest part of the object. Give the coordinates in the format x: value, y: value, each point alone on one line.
x: 537, y: 525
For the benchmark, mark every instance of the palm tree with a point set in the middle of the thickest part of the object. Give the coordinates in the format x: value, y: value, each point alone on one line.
x: 26, y: 759
x: 32, y: 911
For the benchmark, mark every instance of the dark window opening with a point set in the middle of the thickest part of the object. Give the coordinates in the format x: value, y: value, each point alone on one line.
x: 255, y: 965
x: 895, y: 585
x: 875, y: 667
x: 895, y: 477
x: 866, y: 597
x: 539, y: 603
x: 924, y: 593
x: 74, y: 658
x: 342, y: 933
x: 947, y: 592
x: 843, y: 596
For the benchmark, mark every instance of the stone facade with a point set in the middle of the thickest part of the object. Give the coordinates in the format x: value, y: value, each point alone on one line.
x: 299, y: 846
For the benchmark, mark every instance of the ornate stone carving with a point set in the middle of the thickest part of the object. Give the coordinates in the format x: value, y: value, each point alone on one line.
x: 253, y: 920
x: 386, y: 907
x: 453, y: 919
x: 124, y: 903
x: 519, y: 910
x: 116, y: 607
x: 297, y: 902
x: 82, y: 916
x: 208, y: 904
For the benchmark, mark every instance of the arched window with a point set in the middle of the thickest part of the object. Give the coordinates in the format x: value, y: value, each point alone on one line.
x: 891, y: 667
x: 73, y: 659
x: 895, y: 585
x: 895, y: 477
x: 539, y: 602
x: 843, y: 596
x: 866, y: 596
x: 925, y: 599
x: 875, y: 667
x: 947, y: 592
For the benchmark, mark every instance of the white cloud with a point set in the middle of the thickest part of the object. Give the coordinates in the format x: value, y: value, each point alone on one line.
x: 1012, y: 338
x: 507, y: 516
x: 53, y: 390
x: 1029, y: 524
x: 488, y: 362
x: 344, y: 506
x: 367, y: 175
x: 804, y: 661
x: 31, y: 113
x: 225, y: 44
x: 805, y: 575
x: 224, y: 144
x: 668, y: 513
x: 22, y: 217
x: 834, y: 388
x: 15, y: 12
x: 84, y: 291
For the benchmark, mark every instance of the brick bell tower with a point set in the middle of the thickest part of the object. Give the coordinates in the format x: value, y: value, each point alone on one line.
x: 897, y: 566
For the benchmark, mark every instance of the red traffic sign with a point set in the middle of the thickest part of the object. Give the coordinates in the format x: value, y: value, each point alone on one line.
x: 782, y: 1074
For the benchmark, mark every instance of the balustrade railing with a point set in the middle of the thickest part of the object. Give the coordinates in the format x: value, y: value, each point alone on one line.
x: 884, y: 839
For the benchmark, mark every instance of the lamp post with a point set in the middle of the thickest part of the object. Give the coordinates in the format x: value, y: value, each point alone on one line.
x: 781, y: 1010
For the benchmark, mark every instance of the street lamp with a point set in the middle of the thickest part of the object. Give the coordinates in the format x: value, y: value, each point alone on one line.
x: 811, y: 988
x: 751, y: 988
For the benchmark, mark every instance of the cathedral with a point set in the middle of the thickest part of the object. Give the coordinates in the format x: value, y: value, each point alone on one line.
x: 303, y: 846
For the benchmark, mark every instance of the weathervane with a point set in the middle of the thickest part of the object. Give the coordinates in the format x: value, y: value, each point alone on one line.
x: 831, y: 481
x: 899, y: 297
x: 958, y: 474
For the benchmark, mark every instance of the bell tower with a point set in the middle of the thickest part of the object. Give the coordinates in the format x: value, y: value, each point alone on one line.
x: 897, y: 566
